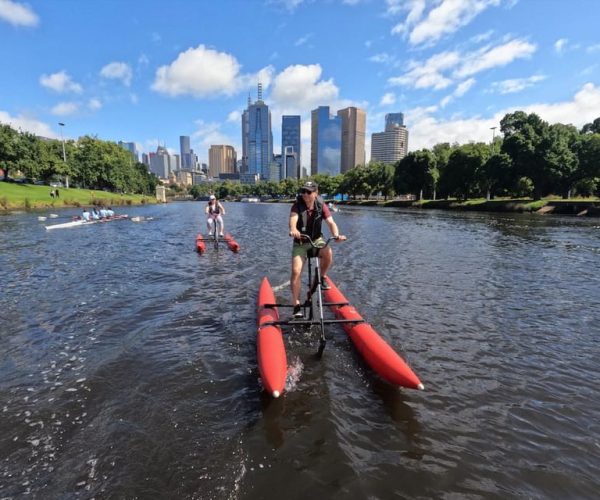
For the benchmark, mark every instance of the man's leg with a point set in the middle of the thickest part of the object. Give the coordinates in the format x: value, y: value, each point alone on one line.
x: 326, y: 258
x: 295, y: 278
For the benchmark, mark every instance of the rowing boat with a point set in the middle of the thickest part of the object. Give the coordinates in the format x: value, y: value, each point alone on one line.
x: 81, y: 222
x: 270, y: 351
x: 376, y: 352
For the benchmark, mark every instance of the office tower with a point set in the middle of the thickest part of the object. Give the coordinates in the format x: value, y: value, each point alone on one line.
x: 391, y: 145
x: 221, y: 160
x: 291, y: 137
x: 291, y: 166
x: 393, y: 120
x: 325, y: 142
x: 186, y: 152
x: 354, y: 122
x: 257, y: 138
x: 130, y: 146
x: 160, y: 162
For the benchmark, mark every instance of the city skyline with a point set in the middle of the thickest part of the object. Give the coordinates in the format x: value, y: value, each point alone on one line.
x: 453, y: 68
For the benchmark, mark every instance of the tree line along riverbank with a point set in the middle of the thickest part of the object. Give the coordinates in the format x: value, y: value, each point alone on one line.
x: 14, y: 196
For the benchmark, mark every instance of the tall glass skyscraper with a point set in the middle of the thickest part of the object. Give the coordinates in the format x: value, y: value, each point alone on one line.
x: 290, y: 138
x: 257, y: 138
x: 186, y: 152
x: 325, y: 142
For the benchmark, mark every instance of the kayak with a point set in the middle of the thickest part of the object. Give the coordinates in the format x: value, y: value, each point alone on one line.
x: 376, y: 352
x: 270, y: 351
x: 81, y: 222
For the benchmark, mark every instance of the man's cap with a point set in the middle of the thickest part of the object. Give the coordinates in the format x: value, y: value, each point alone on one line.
x: 212, y: 197
x: 310, y: 186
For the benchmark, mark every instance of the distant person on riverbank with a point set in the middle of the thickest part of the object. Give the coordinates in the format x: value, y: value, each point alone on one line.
x: 306, y: 218
x: 214, y: 210
x: 52, y: 194
x: 56, y: 193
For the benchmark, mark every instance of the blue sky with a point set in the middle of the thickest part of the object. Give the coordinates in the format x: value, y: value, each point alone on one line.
x: 150, y: 71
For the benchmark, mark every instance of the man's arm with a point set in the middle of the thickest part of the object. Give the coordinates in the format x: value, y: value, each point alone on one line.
x: 293, y: 223
x: 333, y: 229
x: 222, y: 208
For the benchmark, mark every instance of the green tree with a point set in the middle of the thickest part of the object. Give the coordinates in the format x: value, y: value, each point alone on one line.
x: 355, y: 182
x: 591, y: 128
x: 523, y: 137
x: 9, y: 148
x: 464, y: 168
x: 495, y: 174
x: 561, y: 162
x: 416, y: 173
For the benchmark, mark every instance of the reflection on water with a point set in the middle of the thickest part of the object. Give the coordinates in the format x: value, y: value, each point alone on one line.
x: 128, y: 366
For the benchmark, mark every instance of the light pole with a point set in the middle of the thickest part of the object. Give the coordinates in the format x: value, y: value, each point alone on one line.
x: 64, y: 153
x: 493, y: 129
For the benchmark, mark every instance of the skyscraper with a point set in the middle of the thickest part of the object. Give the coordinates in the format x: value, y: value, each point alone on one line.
x: 391, y: 145
x: 257, y: 138
x: 394, y: 120
x: 291, y: 138
x: 130, y: 146
x: 353, y: 137
x: 325, y: 142
x: 221, y: 160
x: 186, y: 152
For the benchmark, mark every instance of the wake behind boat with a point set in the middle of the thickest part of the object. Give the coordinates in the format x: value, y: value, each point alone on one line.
x: 81, y: 222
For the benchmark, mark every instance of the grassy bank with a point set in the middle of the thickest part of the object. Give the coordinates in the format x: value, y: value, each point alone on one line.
x: 575, y: 206
x: 27, y: 196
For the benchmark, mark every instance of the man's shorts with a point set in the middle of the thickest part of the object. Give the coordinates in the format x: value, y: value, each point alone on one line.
x: 302, y: 249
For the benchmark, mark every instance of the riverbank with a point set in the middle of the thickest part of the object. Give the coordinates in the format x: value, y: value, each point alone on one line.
x: 28, y: 197
x: 581, y: 207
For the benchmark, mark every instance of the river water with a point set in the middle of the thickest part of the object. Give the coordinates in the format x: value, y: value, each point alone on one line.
x: 128, y: 366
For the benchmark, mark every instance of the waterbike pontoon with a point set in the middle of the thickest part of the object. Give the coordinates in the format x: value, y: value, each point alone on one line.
x: 271, y: 355
x: 215, y: 239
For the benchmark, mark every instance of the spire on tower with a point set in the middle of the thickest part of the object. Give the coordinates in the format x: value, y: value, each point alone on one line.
x: 259, y: 91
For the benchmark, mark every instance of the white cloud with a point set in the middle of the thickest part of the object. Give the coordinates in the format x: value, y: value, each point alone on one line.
x: 441, y: 70
x: 27, y: 124
x: 208, y: 134
x: 302, y: 40
x: 288, y: 4
x: 203, y: 72
x: 560, y: 45
x: 388, y: 99
x: 60, y: 82
x: 117, y: 71
x: 65, y: 108
x: 415, y: 9
x: 501, y: 55
x: 446, y: 18
x: 592, y: 49
x: 461, y: 89
x: 94, y: 104
x: 234, y: 117
x: 514, y: 85
x: 383, y: 58
x: 426, y: 130
x: 18, y: 14
x: 429, y: 73
x: 300, y: 87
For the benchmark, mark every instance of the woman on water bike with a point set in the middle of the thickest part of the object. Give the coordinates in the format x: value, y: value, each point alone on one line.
x: 306, y: 217
x: 214, y: 209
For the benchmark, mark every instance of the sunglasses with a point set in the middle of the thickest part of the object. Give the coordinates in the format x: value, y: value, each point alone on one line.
x: 305, y: 191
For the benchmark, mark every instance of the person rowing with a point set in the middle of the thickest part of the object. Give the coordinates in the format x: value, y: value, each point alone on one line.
x: 306, y: 217
x: 85, y: 215
x: 215, y: 210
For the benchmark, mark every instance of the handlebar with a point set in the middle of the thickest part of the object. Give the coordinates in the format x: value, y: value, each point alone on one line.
x: 312, y: 243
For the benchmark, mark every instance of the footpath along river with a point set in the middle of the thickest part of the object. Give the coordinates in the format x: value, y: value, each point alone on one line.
x: 128, y: 366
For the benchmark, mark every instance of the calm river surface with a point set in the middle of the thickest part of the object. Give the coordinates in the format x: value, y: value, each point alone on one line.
x: 128, y: 366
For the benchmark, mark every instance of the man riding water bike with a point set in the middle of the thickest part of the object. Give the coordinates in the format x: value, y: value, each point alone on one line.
x: 306, y: 218
x: 214, y: 209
